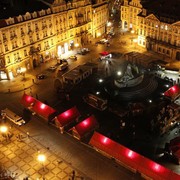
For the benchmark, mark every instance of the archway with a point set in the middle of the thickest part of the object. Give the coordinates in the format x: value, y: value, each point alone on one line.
x: 125, y: 25
x: 178, y: 56
x: 34, y: 63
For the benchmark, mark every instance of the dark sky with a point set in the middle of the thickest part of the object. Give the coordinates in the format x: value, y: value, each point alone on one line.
x: 10, y: 8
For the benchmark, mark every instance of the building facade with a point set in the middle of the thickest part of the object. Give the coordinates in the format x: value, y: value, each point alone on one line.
x: 157, y: 31
x: 30, y: 39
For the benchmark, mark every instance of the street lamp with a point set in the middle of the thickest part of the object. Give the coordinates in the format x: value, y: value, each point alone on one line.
x: 4, y: 130
x: 119, y: 73
x: 41, y: 158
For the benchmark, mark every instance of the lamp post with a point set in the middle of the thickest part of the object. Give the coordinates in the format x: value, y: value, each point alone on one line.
x: 4, y: 130
x: 41, y: 158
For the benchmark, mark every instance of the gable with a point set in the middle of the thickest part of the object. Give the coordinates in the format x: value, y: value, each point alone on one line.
x: 152, y: 17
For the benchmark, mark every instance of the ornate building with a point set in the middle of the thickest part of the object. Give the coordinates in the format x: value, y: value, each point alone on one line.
x: 29, y: 39
x: 157, y: 25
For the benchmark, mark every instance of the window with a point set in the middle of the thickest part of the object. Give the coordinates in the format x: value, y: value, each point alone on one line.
x: 25, y: 52
x: 8, y: 60
x: 159, y: 49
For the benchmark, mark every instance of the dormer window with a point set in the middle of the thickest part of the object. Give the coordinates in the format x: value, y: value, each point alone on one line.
x: 34, y: 14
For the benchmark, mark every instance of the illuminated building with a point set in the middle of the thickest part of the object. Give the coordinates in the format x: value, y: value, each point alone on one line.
x: 156, y: 24
x: 28, y: 39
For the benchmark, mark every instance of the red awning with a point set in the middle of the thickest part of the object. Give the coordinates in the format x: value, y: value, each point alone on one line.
x: 86, y: 126
x: 43, y: 109
x: 129, y: 158
x: 105, y: 53
x: 68, y: 116
x: 27, y: 100
x: 173, y: 92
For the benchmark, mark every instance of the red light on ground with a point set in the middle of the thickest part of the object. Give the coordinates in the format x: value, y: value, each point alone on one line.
x: 42, y: 106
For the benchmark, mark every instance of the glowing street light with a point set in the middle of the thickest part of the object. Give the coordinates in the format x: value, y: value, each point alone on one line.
x: 41, y: 158
x: 100, y: 80
x: 76, y: 45
x: 119, y: 73
x: 3, y: 129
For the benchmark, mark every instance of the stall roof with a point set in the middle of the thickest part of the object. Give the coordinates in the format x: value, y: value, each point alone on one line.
x: 173, y: 92
x: 43, y: 109
x: 130, y: 158
x: 68, y: 116
x: 27, y: 100
x: 86, y: 126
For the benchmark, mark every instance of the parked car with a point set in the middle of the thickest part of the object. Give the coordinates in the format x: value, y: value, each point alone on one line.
x: 73, y: 57
x: 60, y: 61
x: 83, y: 51
x: 41, y: 76
x: 62, y: 66
x: 103, y: 41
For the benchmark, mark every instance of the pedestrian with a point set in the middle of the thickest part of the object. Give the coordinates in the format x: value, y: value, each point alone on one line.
x: 67, y: 97
x: 27, y: 134
x: 73, y: 175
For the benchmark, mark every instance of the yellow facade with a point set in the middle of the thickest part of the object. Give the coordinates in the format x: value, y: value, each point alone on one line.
x: 28, y: 40
x: 158, y: 34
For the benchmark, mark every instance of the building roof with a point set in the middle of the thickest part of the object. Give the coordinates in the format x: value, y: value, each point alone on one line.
x: 164, y: 9
x: 11, y: 8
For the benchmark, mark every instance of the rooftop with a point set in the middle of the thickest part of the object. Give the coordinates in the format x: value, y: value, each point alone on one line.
x: 164, y: 8
x: 11, y: 8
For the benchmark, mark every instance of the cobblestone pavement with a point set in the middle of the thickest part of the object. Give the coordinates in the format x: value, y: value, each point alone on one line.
x: 19, y: 157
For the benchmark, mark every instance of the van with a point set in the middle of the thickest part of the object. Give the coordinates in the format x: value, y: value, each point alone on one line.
x: 12, y: 117
x: 63, y: 66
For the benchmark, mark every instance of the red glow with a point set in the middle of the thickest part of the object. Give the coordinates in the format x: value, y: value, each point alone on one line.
x: 105, y: 140
x: 156, y: 167
x: 130, y: 154
x: 173, y: 89
x: 66, y: 114
x: 29, y: 98
x: 42, y: 106
x: 85, y: 122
